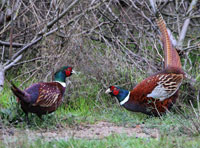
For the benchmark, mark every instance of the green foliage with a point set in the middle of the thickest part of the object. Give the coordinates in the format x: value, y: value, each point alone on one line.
x: 11, y: 114
x: 5, y: 96
x: 86, y: 103
x: 118, y: 141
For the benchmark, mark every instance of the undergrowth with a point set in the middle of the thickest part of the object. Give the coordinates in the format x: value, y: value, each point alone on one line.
x: 118, y: 141
x: 89, y: 108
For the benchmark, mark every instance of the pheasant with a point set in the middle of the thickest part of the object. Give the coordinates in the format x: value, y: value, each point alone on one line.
x: 157, y: 93
x: 43, y: 97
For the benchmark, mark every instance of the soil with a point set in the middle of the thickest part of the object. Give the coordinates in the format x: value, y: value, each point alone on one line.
x: 92, y: 131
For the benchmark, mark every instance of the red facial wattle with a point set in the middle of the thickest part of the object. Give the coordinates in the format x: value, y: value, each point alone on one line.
x: 68, y: 73
x: 115, y: 92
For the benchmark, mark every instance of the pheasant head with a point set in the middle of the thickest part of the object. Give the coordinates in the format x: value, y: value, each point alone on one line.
x: 62, y: 73
x: 122, y: 95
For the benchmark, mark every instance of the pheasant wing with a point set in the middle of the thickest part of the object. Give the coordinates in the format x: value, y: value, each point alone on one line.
x: 49, y: 95
x: 167, y: 85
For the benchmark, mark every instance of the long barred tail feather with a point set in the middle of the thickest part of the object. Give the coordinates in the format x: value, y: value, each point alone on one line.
x: 172, y: 58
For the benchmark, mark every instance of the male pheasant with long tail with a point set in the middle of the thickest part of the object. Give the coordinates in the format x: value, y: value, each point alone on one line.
x: 43, y: 97
x: 157, y: 93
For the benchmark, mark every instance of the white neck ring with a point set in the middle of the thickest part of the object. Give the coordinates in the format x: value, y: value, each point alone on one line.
x: 125, y: 100
x: 61, y: 83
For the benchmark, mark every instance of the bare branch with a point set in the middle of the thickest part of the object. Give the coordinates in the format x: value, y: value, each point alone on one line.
x: 40, y: 35
x: 186, y: 24
x: 13, y: 62
x: 26, y: 47
x: 153, y: 5
x: 7, y: 44
x: 50, y: 24
x: 2, y: 74
x: 15, y: 15
x: 2, y: 56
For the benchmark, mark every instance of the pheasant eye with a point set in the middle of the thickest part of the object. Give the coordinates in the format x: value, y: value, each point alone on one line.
x: 69, y: 69
x: 112, y: 87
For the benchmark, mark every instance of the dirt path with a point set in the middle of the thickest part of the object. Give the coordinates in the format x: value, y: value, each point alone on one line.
x: 91, y: 131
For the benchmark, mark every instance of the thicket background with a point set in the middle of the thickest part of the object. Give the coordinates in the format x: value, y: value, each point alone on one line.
x: 113, y: 42
x: 106, y: 41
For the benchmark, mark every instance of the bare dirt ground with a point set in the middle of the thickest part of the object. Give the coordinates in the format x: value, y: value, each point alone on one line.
x: 91, y: 131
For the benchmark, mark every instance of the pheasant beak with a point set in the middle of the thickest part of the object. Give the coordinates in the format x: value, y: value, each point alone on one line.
x: 108, y: 91
x: 74, y: 72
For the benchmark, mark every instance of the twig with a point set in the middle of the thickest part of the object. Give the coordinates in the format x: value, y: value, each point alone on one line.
x: 11, y: 35
x: 2, y: 56
x: 26, y: 47
x: 158, y: 52
x: 191, y: 47
x: 186, y: 24
x: 7, y: 44
x: 50, y: 24
x: 153, y: 5
x: 14, y: 17
x: 13, y: 62
x: 41, y: 34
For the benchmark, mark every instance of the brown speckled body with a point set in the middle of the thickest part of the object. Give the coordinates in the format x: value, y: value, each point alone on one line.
x: 42, y: 98
x: 150, y: 106
x: 139, y: 102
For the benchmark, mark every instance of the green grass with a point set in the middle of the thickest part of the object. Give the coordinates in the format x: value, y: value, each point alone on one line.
x: 113, y: 141
x: 89, y: 109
